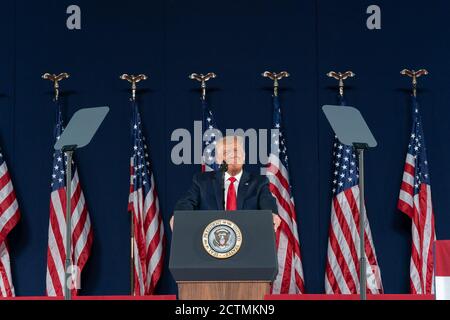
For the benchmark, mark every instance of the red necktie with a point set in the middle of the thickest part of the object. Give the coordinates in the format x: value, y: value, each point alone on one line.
x: 231, y: 195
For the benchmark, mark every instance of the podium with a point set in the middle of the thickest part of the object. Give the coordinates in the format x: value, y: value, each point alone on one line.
x: 223, y: 255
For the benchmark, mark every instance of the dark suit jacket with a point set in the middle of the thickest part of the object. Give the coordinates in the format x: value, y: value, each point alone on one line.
x: 206, y: 193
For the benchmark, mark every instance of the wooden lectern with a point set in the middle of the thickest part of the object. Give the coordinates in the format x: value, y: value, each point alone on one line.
x: 207, y: 266
x: 223, y: 290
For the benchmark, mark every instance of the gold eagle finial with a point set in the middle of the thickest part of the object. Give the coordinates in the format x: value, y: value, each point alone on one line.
x: 55, y: 79
x: 202, y: 79
x: 133, y: 79
x: 275, y: 77
x: 341, y: 77
x: 414, y: 75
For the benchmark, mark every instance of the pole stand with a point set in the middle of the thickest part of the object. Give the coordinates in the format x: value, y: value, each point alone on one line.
x: 68, y: 150
x: 360, y: 148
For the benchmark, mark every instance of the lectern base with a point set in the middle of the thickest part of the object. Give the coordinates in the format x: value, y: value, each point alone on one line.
x: 223, y: 290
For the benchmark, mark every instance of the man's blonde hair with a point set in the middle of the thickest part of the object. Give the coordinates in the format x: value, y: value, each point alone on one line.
x: 228, y: 140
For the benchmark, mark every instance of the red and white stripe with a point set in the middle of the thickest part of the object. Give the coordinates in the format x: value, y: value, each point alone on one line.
x: 9, y: 217
x: 206, y: 168
x: 149, y: 240
x: 289, y: 279
x: 442, y: 269
x: 342, y: 268
x: 82, y: 237
x: 420, y: 209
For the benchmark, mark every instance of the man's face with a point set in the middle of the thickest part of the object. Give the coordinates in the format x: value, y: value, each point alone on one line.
x: 232, y: 152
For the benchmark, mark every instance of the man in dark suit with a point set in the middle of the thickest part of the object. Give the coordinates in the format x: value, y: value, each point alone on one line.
x: 236, y: 190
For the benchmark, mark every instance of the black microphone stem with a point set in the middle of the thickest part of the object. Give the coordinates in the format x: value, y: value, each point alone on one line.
x: 223, y: 168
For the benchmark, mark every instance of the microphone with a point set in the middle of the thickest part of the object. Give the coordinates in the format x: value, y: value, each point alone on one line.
x: 223, y: 168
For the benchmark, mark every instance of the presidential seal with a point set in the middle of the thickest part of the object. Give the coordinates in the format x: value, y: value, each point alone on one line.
x: 222, y: 239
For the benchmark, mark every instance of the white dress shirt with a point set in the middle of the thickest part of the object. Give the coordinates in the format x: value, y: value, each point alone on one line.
x: 228, y: 182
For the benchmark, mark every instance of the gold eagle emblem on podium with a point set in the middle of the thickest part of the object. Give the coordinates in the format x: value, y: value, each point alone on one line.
x: 222, y: 239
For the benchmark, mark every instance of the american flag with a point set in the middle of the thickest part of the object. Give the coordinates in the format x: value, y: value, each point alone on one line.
x: 82, y: 234
x: 149, y: 241
x: 342, y: 268
x: 209, y: 139
x: 9, y: 217
x: 415, y: 201
x: 290, y: 271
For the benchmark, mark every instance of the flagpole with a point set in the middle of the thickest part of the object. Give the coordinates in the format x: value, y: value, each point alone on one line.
x: 360, y: 148
x: 133, y: 79
x: 69, y: 154
x: 275, y: 77
x: 414, y: 75
x: 200, y: 77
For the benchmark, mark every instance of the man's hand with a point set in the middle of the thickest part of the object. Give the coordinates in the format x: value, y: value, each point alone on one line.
x: 276, y: 221
x: 171, y: 223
